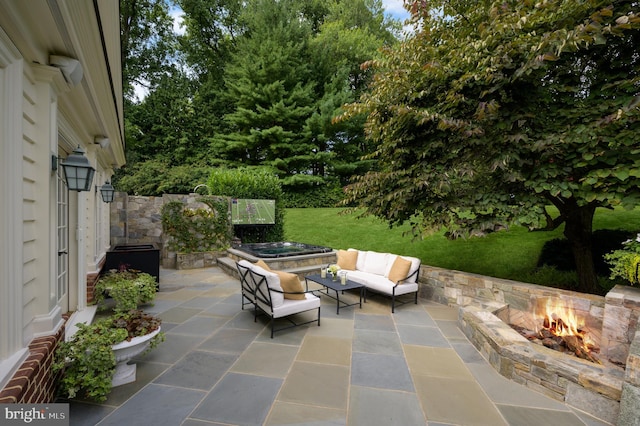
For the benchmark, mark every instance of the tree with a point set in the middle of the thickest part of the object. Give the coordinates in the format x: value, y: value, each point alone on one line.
x: 351, y: 33
x: 495, y: 109
x: 268, y: 82
x: 249, y: 83
x: 296, y: 62
x: 147, y: 42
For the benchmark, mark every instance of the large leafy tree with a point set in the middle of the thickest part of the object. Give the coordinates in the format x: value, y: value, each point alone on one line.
x: 147, y: 42
x: 495, y: 109
x: 351, y: 33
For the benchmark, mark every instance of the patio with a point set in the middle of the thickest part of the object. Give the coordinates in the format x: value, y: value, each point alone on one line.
x: 362, y: 367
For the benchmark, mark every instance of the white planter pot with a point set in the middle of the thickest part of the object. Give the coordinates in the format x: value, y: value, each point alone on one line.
x: 125, y: 351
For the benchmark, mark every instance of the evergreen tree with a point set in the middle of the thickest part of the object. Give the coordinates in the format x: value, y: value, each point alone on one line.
x: 269, y: 82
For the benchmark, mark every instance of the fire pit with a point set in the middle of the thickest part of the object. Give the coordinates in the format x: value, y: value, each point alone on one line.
x: 560, y: 329
x: 608, y: 389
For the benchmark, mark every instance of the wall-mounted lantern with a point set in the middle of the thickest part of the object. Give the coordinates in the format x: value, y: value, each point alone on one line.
x: 107, y: 191
x: 77, y: 170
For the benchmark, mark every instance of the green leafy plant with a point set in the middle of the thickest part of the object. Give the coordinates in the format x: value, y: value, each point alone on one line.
x: 88, y: 362
x: 128, y: 288
x: 625, y: 263
x: 200, y: 229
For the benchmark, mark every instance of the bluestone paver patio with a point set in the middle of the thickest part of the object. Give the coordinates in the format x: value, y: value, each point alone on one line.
x: 362, y: 367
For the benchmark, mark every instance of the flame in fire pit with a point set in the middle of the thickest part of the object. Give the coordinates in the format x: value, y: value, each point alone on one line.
x: 561, y: 321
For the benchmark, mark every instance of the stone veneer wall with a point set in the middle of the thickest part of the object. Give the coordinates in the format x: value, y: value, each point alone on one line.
x: 34, y: 382
x: 138, y: 220
x: 198, y: 260
x: 621, y: 314
x: 630, y: 400
x: 486, y: 304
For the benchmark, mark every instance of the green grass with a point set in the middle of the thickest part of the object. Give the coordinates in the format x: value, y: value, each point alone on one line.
x: 512, y: 254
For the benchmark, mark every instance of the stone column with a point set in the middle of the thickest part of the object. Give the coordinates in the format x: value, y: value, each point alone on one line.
x: 630, y: 399
x: 621, y: 314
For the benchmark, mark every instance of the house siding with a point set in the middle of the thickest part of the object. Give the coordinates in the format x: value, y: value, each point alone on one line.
x: 45, y: 114
x: 33, y: 231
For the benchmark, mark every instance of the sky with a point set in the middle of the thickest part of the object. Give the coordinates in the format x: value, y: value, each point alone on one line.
x: 395, y: 9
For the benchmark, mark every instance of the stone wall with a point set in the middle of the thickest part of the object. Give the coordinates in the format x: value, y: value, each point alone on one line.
x: 204, y: 259
x: 138, y: 220
x: 462, y: 289
x: 621, y: 313
x: 630, y: 400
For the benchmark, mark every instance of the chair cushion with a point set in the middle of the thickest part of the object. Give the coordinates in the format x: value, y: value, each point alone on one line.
x: 375, y: 263
x: 347, y: 259
x: 247, y: 283
x: 290, y: 283
x: 290, y: 307
x: 246, y: 264
x: 399, y: 269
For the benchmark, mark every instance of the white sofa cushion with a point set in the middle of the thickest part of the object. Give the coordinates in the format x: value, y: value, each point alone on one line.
x: 375, y: 263
x: 380, y: 283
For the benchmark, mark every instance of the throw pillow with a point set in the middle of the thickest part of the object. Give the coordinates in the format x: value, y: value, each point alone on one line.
x: 399, y: 269
x: 290, y: 283
x: 261, y: 263
x: 347, y: 259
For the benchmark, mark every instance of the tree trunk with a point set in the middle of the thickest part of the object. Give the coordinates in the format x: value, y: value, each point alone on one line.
x: 578, y: 230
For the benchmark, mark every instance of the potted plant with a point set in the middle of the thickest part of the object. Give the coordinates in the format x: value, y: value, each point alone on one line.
x: 96, y: 358
x: 128, y: 288
x: 625, y: 263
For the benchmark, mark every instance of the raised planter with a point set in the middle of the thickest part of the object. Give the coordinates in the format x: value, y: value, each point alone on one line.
x: 142, y: 257
x: 202, y: 259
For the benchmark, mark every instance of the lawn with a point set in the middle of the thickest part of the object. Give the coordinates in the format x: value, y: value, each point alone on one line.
x: 511, y: 254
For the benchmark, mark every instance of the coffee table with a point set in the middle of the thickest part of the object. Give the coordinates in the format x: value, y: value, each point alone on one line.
x: 338, y: 287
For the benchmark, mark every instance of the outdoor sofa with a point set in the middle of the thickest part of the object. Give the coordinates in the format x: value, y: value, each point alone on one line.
x: 384, y: 273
